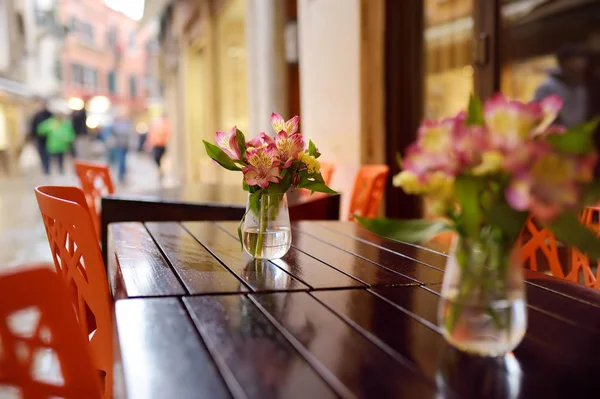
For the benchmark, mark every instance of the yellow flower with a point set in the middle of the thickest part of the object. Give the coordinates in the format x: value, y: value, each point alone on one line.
x: 312, y: 164
x: 491, y: 162
x: 437, y: 184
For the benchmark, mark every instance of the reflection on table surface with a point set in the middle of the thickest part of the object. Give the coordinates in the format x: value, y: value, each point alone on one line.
x: 205, y: 193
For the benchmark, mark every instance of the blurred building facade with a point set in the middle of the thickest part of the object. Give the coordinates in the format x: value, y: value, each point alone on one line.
x: 360, y: 73
x: 105, y: 54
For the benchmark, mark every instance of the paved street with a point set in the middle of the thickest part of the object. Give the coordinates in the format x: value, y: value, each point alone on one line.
x: 22, y: 235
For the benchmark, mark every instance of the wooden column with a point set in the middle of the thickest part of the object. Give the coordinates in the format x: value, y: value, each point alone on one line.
x: 372, y: 76
x: 486, y: 49
x: 403, y: 67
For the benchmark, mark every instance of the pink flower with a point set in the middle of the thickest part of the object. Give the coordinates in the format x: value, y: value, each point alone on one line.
x: 263, y: 166
x: 551, y: 106
x: 548, y: 182
x: 433, y: 150
x: 510, y: 123
x: 288, y: 147
x: 228, y: 143
x: 279, y: 124
x: 469, y: 143
x: 260, y: 141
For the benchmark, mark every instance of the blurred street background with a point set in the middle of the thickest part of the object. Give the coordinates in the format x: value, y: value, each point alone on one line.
x: 138, y: 84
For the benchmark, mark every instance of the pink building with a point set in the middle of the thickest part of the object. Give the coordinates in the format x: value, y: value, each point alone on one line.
x: 103, y: 54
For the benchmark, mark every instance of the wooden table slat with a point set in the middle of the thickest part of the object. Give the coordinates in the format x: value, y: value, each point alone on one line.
x: 310, y: 271
x: 537, y: 361
x: 141, y: 265
x: 414, y: 270
x: 362, y: 270
x: 353, y: 359
x: 161, y: 352
x: 542, y: 326
x: 199, y: 271
x: 432, y: 255
x: 257, y: 275
x: 251, y: 353
x: 397, y: 331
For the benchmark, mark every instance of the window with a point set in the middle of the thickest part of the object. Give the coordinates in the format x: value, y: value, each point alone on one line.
x: 91, y: 78
x: 111, y: 37
x: 132, y: 87
x: 58, y: 70
x: 131, y: 43
x: 112, y: 82
x: 77, y: 75
x: 87, y: 33
x: 73, y: 24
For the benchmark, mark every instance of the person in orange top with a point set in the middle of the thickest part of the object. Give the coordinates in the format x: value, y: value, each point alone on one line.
x: 158, y: 135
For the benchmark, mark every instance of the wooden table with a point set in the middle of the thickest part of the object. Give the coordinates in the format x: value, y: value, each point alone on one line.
x: 203, y: 202
x: 344, y: 313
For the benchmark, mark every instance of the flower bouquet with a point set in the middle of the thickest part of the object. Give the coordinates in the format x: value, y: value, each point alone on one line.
x: 271, y: 166
x: 485, y: 171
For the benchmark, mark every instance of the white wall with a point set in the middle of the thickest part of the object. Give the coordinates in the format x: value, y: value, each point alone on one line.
x: 329, y: 77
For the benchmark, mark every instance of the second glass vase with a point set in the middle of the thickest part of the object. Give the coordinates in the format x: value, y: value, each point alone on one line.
x: 266, y: 232
x: 483, y: 306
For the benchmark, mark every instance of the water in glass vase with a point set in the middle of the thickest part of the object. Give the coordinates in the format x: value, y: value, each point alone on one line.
x: 275, y: 242
x: 490, y: 330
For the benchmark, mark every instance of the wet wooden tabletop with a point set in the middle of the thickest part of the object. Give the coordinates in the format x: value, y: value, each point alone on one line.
x: 344, y: 314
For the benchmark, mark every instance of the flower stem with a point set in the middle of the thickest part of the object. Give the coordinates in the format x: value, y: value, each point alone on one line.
x: 262, y: 226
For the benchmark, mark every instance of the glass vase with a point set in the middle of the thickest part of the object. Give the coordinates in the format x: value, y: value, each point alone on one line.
x: 266, y: 232
x: 483, y: 306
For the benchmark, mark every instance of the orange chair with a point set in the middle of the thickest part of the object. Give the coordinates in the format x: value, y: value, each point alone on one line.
x: 581, y: 269
x: 537, y: 244
x: 95, y: 181
x: 327, y: 170
x: 40, y: 292
x: 369, y: 187
x: 78, y: 260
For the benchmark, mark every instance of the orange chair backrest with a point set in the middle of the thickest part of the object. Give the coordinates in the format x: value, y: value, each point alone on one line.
x: 582, y: 271
x: 95, y: 181
x: 77, y: 258
x: 327, y: 170
x: 369, y: 187
x: 37, y: 323
x: 536, y: 245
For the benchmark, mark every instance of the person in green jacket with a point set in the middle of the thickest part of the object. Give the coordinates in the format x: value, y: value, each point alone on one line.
x: 59, y: 134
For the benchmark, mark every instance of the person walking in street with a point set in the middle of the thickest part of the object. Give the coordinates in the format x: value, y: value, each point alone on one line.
x: 122, y: 129
x: 38, y: 118
x: 158, y: 135
x: 60, y: 135
x: 79, y: 120
x: 569, y: 82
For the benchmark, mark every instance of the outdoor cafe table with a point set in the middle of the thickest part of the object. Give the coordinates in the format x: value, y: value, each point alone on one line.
x: 344, y: 313
x: 203, y: 202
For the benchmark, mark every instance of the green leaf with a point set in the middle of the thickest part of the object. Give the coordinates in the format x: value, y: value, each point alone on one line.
x: 254, y: 202
x: 284, y: 183
x: 245, y: 186
x: 241, y: 141
x: 591, y: 194
x: 312, y: 149
x: 507, y: 219
x: 314, y: 182
x: 568, y: 229
x: 468, y: 189
x: 408, y: 230
x: 220, y: 157
x: 475, y: 111
x: 399, y: 159
x: 577, y: 140
x: 317, y: 187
